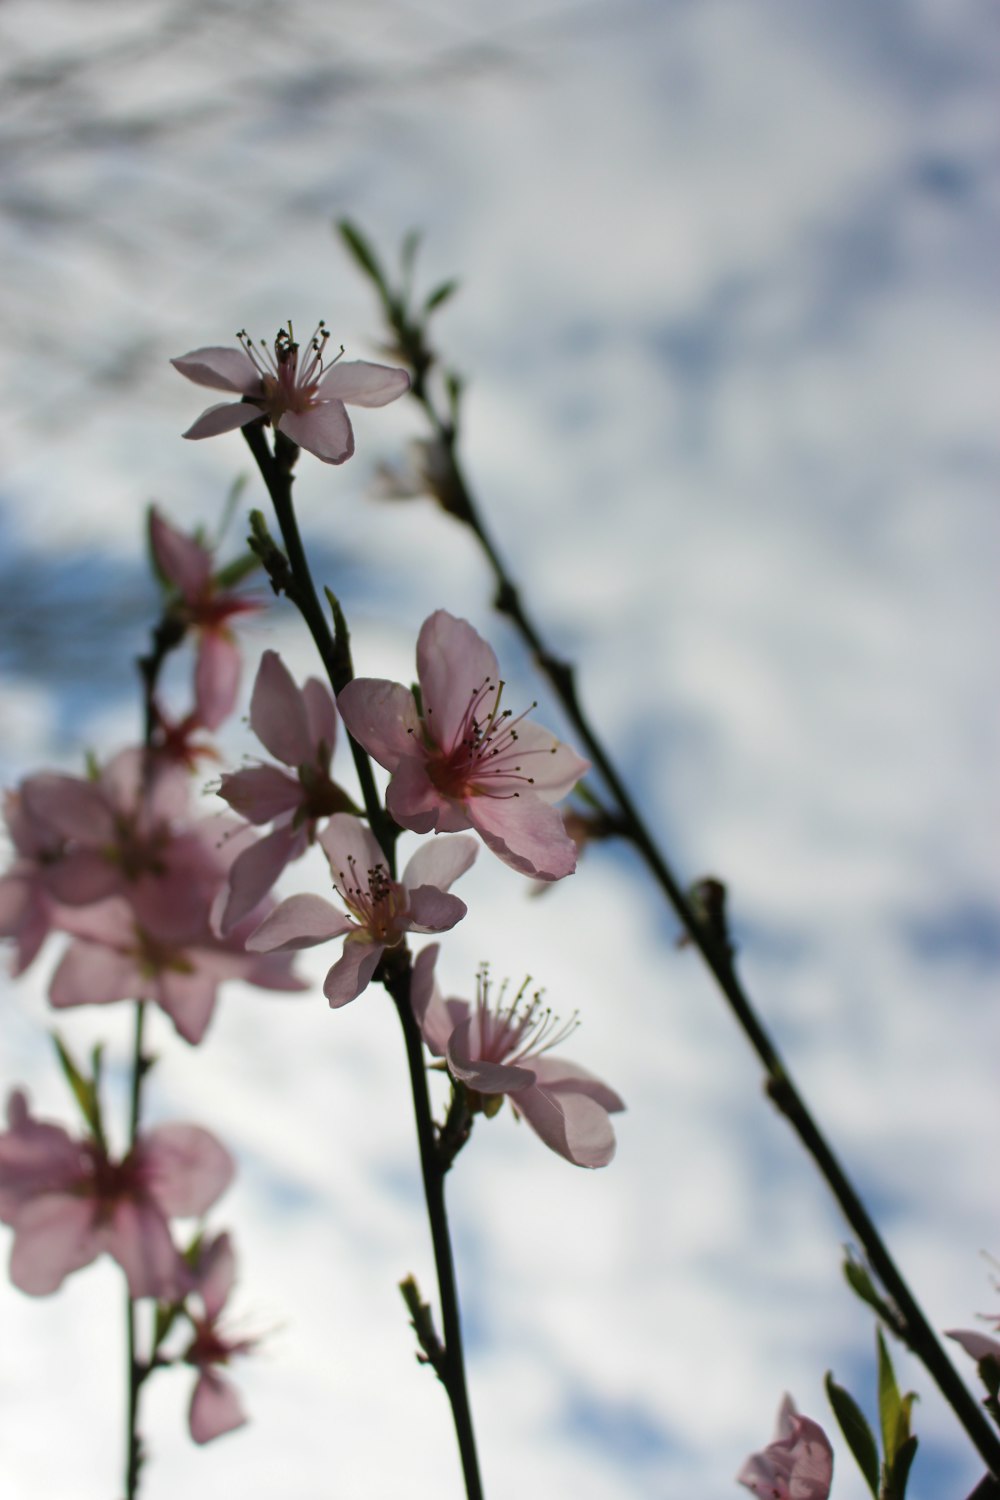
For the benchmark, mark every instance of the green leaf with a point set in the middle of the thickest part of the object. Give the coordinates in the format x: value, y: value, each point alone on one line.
x: 857, y: 1434
x: 893, y: 1414
x: 364, y: 256
x: 235, y: 572
x: 860, y: 1282
x: 83, y: 1089
x: 441, y: 294
x: 899, y: 1473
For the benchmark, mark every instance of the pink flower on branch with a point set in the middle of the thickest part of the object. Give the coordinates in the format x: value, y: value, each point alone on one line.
x: 381, y: 910
x: 797, y: 1465
x: 114, y: 958
x: 459, y: 760
x: 503, y: 1047
x: 68, y: 1201
x: 206, y: 607
x: 299, y: 727
x: 215, y: 1406
x: 302, y: 398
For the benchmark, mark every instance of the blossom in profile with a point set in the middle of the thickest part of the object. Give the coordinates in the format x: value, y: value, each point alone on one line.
x: 205, y: 606
x: 68, y: 1201
x: 299, y: 728
x: 215, y: 1405
x: 797, y: 1465
x: 500, y: 1046
x: 382, y: 910
x: 297, y: 392
x: 458, y: 760
x: 978, y: 1346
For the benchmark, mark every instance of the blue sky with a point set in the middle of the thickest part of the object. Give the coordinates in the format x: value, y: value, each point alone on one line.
x: 728, y: 321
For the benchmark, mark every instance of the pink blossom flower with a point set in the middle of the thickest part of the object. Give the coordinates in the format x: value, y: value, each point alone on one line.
x: 504, y: 1048
x: 460, y: 761
x: 215, y: 1406
x: 127, y: 831
x: 299, y: 727
x: 304, y: 401
x: 67, y: 1201
x: 206, y: 607
x: 797, y: 1465
x: 381, y: 910
x: 114, y: 958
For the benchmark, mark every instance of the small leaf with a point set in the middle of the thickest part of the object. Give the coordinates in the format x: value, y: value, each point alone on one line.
x: 364, y: 255
x: 889, y: 1406
x: 441, y: 294
x: 898, y: 1472
x: 83, y: 1090
x: 860, y: 1282
x: 235, y: 571
x: 857, y: 1433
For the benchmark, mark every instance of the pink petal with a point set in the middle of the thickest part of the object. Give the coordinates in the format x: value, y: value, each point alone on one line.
x: 278, y: 714
x: 432, y: 910
x: 256, y: 869
x: 185, y: 1168
x: 72, y: 807
x: 181, y: 559
x: 563, y: 1076
x: 139, y: 1240
x: 440, y: 862
x: 382, y: 717
x: 436, y: 1017
x: 82, y: 878
x: 453, y: 664
x: 975, y: 1344
x: 300, y: 922
x: 480, y: 1074
x: 352, y: 851
x: 353, y: 972
x: 217, y: 677
x: 226, y: 417
x: 215, y: 1274
x: 54, y: 1236
x: 215, y: 1408
x: 573, y: 1124
x: 261, y: 793
x: 91, y: 975
x: 526, y: 833
x: 553, y: 768
x: 189, y: 1001
x: 324, y: 430
x: 36, y: 1159
x: 363, y: 384
x: 222, y: 369
x: 415, y: 802
x: 321, y: 712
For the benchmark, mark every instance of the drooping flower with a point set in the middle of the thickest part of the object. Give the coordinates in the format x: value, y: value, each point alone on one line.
x: 299, y: 727
x: 304, y: 399
x: 382, y: 910
x: 67, y: 1201
x: 797, y: 1465
x: 459, y: 760
x: 503, y: 1046
x: 215, y: 1406
x: 978, y: 1346
x: 206, y: 606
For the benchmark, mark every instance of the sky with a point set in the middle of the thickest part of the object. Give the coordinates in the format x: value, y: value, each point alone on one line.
x: 727, y: 319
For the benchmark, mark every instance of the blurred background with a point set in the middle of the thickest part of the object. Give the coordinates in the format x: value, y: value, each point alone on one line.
x: 728, y: 320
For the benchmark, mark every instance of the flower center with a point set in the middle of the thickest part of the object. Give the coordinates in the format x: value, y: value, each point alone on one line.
x: 521, y: 1028
x: 376, y: 902
x: 486, y: 756
x: 287, y: 385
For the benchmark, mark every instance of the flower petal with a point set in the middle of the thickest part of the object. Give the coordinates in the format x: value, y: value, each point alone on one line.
x: 256, y: 869
x: 480, y: 1074
x: 261, y: 793
x: 185, y: 1169
x: 440, y: 862
x: 139, y: 1239
x: 300, y: 922
x: 217, y: 677
x: 215, y: 1408
x: 382, y: 716
x: 324, y: 430
x: 353, y: 971
x: 526, y: 833
x: 361, y: 383
x: 353, y: 853
x: 432, y: 910
x: 182, y: 560
x: 222, y: 369
x: 223, y: 418
x: 278, y: 714
x: 573, y: 1124
x: 54, y: 1236
x: 90, y: 974
x: 453, y: 664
